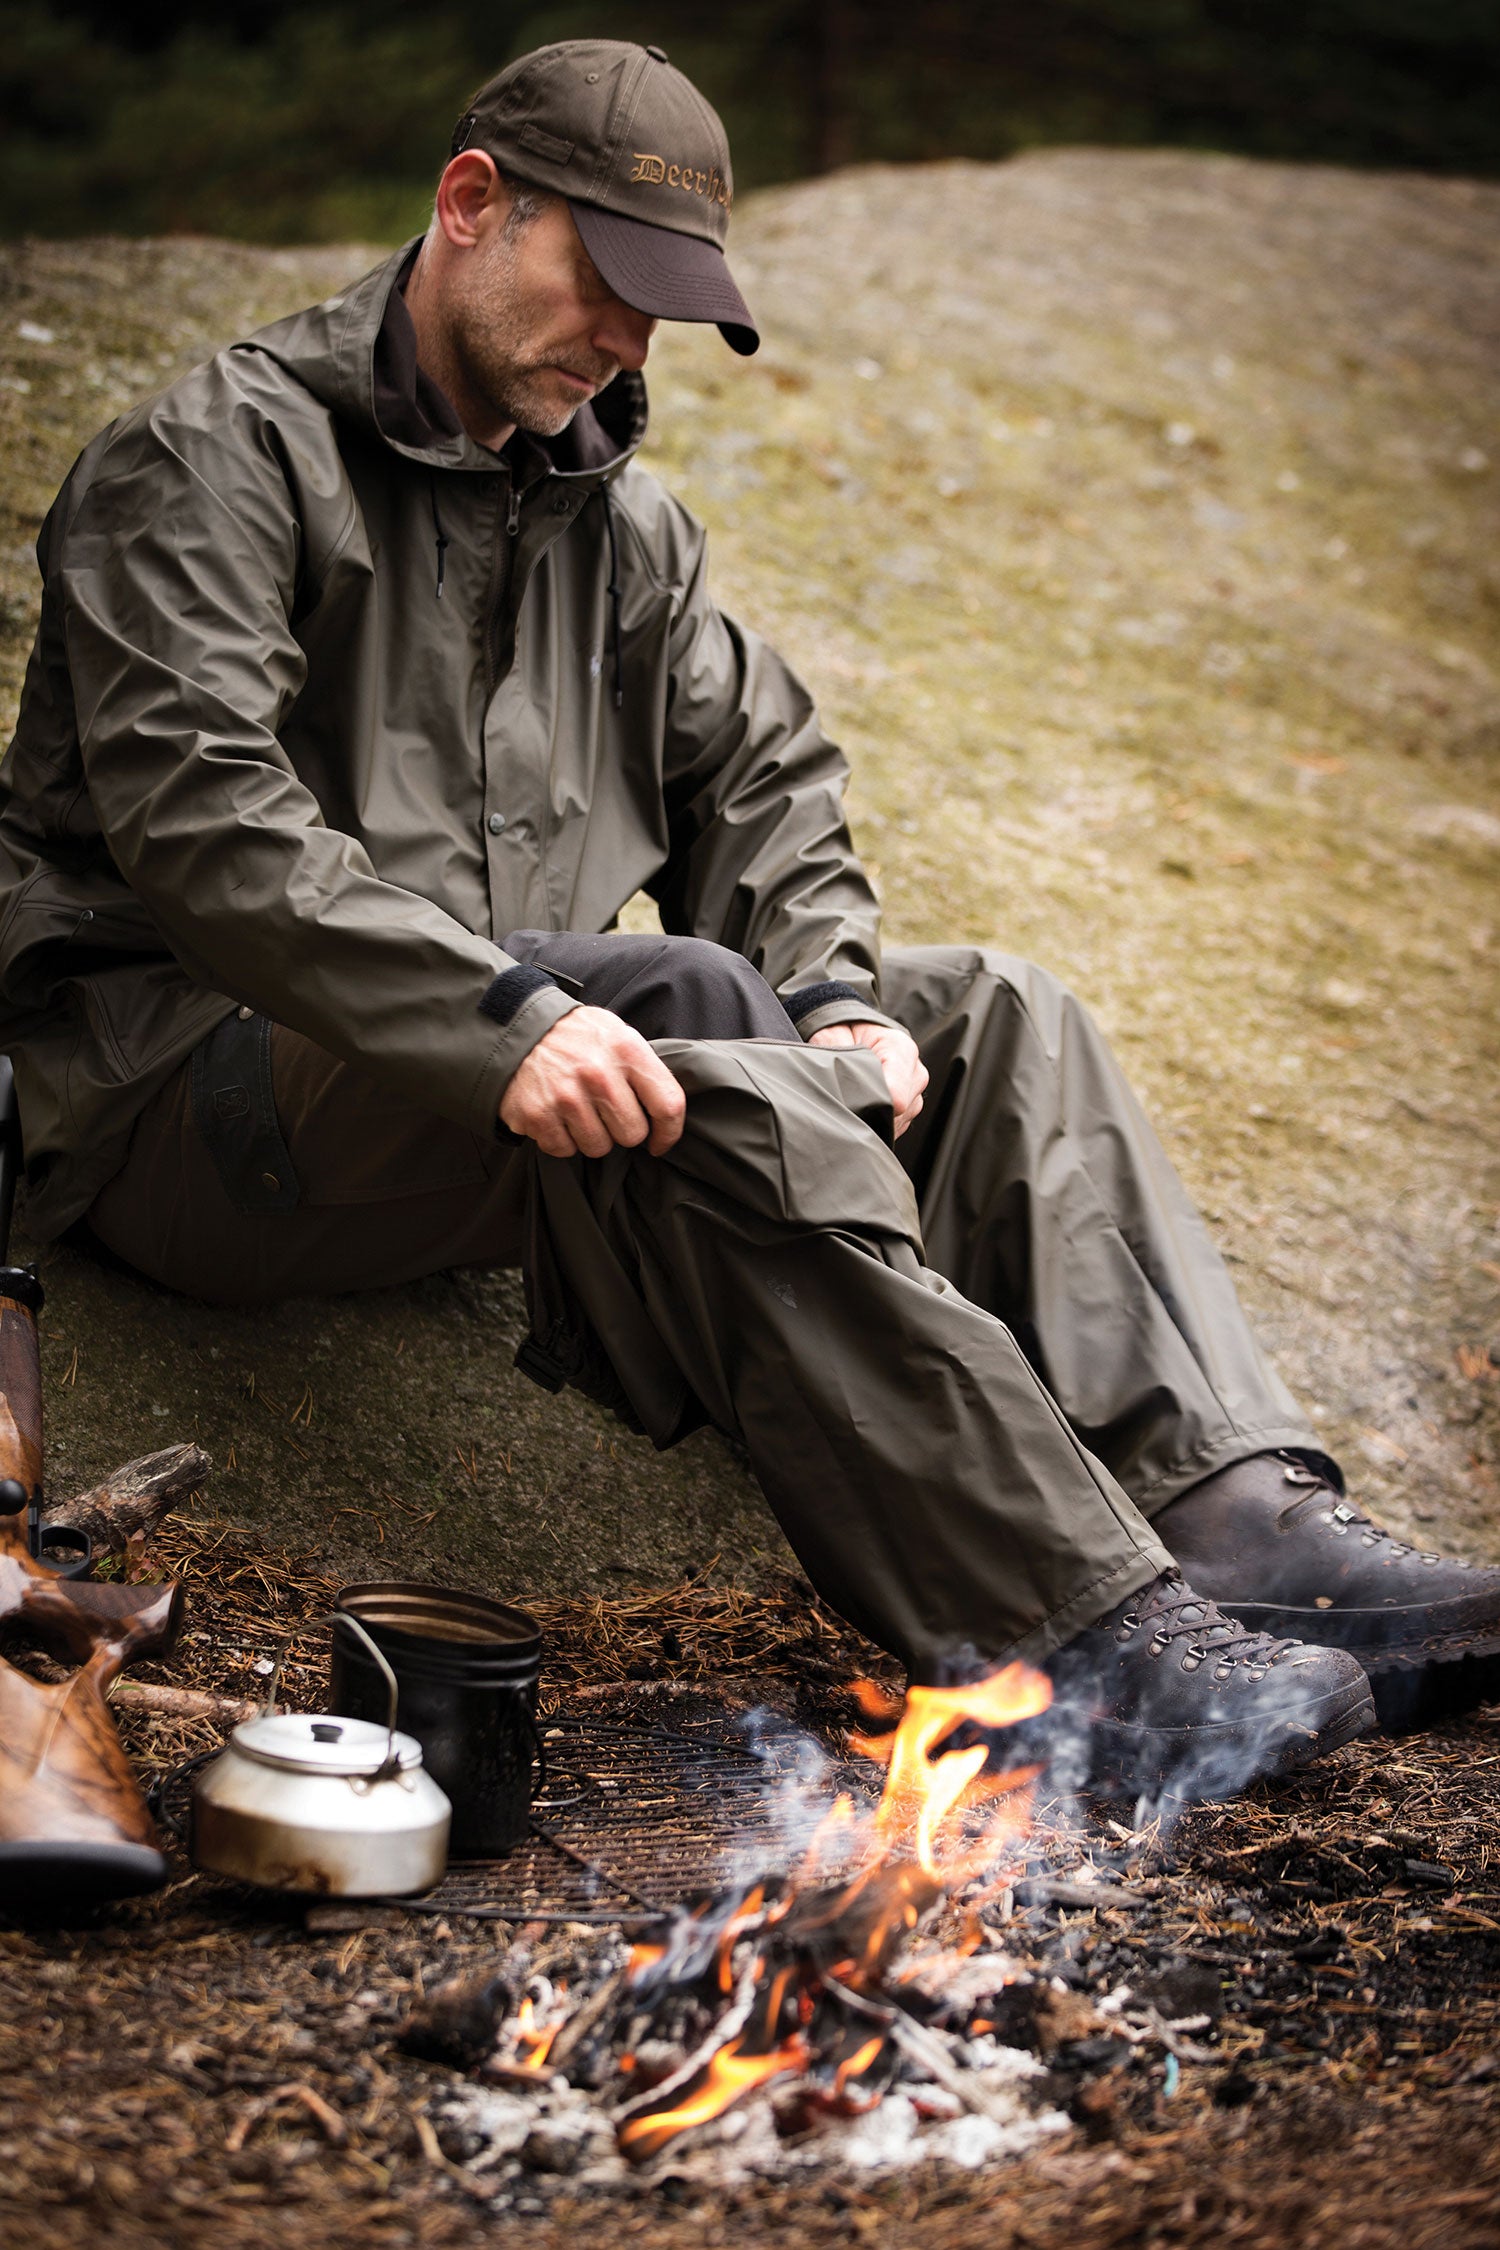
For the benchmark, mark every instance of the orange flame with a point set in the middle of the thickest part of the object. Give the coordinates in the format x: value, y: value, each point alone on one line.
x: 875, y: 1701
x: 922, y: 1792
x: 535, y: 2044
x: 855, y: 2065
x: 744, y: 1915
x: 731, y: 2074
x: 905, y: 1857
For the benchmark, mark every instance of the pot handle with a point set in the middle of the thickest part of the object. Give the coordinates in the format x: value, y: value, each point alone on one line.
x: 392, y: 1762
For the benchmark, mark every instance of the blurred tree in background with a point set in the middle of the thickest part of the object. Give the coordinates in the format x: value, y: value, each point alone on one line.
x: 312, y: 120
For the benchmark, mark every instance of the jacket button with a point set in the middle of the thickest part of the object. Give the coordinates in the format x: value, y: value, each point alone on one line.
x: 495, y: 823
x: 561, y: 505
x: 269, y: 1180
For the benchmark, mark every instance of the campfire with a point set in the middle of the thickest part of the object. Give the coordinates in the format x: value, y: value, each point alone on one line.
x: 840, y: 2003
x: 809, y: 1968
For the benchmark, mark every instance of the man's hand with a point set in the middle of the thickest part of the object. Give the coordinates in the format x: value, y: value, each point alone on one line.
x: 905, y: 1072
x: 591, y: 1084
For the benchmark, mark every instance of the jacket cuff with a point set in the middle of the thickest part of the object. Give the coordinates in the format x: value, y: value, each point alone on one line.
x: 811, y: 996
x: 818, y: 1005
x: 513, y: 986
x: 534, y: 1010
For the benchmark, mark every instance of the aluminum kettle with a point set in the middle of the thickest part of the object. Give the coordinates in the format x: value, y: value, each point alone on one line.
x: 341, y: 1808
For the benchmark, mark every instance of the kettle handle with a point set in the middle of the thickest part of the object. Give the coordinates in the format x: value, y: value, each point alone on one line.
x: 392, y: 1762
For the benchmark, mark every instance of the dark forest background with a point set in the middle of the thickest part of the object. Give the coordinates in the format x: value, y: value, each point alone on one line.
x: 311, y: 120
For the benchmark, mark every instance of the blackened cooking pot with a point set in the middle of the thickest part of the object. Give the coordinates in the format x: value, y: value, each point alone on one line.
x: 468, y: 1669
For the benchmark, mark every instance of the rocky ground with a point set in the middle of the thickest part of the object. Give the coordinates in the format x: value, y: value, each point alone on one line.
x: 1134, y: 519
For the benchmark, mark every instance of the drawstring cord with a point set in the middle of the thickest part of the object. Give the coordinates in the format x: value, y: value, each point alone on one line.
x: 439, y: 534
x: 613, y: 591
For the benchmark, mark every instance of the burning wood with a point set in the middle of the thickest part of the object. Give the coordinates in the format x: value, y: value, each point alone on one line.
x: 823, y: 1984
x: 818, y: 1952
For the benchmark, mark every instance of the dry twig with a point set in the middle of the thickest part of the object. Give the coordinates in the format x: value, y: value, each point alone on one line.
x: 132, y: 1500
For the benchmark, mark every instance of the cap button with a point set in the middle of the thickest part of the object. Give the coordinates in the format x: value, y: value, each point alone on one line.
x: 657, y: 54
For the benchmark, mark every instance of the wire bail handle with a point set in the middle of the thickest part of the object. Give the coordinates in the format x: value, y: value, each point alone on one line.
x: 392, y: 1764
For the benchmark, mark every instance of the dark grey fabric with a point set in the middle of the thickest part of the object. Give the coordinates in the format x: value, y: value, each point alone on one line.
x: 667, y: 988
x: 768, y: 1273
x: 1046, y: 1196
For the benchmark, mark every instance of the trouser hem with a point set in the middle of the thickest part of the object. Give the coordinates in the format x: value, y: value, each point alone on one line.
x: 1222, y: 1453
x: 1086, y: 1607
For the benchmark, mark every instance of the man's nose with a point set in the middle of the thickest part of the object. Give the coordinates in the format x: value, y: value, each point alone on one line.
x: 625, y: 334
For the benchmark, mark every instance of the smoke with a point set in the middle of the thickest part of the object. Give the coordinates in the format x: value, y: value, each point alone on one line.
x: 801, y: 1786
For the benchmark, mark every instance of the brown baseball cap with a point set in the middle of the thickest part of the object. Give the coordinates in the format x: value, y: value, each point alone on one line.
x: 642, y: 160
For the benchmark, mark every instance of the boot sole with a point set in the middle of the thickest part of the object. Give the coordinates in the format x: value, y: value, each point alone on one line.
x: 1359, y: 1633
x: 1199, y: 1764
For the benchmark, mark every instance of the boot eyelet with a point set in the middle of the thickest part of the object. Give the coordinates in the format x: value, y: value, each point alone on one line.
x: 1192, y: 1658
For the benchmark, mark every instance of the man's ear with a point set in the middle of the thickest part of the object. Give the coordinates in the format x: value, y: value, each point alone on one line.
x: 470, y: 187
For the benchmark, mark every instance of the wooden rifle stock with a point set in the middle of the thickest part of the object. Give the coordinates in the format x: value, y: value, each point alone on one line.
x: 72, y: 1819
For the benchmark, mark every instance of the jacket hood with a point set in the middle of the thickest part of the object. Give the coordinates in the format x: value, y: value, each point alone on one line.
x: 356, y: 354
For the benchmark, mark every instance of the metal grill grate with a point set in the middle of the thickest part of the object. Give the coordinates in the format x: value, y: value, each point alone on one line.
x: 636, y: 1819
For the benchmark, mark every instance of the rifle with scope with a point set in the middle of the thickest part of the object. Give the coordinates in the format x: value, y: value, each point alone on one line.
x: 73, y: 1822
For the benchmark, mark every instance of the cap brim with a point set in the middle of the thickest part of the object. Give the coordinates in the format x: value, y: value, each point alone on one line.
x: 671, y: 276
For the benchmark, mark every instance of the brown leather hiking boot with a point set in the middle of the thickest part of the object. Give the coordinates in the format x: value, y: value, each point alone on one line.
x: 1272, y: 1540
x: 1166, y: 1696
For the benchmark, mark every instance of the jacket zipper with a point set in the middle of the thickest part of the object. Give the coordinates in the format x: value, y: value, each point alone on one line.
x: 499, y: 583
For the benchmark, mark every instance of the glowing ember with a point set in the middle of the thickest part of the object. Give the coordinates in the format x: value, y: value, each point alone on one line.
x: 533, y: 2044
x: 729, y: 2075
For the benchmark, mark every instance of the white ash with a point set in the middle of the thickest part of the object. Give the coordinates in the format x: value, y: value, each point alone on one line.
x: 516, y: 2135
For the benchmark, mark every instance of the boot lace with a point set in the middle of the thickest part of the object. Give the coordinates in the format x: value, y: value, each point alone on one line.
x: 1316, y: 1492
x: 1175, y: 1613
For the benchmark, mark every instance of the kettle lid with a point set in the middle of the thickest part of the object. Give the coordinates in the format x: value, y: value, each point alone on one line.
x: 319, y: 1742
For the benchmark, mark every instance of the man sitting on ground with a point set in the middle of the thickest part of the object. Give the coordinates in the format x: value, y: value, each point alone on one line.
x: 373, y: 677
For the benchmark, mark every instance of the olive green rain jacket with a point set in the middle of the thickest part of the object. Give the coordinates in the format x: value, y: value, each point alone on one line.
x: 326, y: 699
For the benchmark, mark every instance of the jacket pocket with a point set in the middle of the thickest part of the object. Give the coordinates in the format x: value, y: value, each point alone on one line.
x: 234, y: 1109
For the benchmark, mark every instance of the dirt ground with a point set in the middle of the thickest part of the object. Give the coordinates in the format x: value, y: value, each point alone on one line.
x: 1134, y: 519
x: 205, y: 2066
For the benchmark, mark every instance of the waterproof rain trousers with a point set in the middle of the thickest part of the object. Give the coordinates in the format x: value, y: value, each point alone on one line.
x: 966, y: 1371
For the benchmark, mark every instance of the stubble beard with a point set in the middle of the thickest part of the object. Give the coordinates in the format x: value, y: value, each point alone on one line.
x: 511, y: 374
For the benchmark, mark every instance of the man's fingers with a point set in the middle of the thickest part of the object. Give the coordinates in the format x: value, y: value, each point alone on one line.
x: 660, y: 1096
x: 551, y: 1137
x: 592, y: 1084
x: 607, y: 1114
